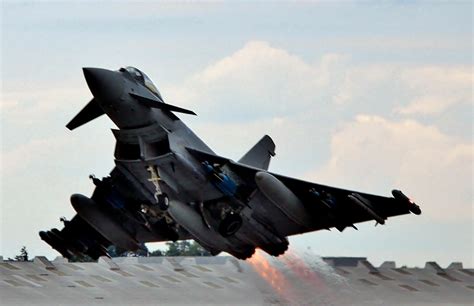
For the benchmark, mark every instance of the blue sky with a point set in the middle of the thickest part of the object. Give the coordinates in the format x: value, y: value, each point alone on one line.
x: 362, y: 95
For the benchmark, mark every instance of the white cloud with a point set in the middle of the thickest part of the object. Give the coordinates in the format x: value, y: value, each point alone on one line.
x: 29, y: 106
x: 255, y: 81
x: 8, y: 104
x: 260, y: 86
x: 22, y: 156
x: 38, y: 177
x: 260, y: 81
x: 401, y: 43
x: 435, y: 89
x: 361, y: 83
x: 376, y: 154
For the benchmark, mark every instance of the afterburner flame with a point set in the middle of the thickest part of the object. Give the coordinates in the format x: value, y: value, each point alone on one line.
x: 269, y: 273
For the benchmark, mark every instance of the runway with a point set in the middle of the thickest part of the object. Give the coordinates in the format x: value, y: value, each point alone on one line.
x: 294, y: 279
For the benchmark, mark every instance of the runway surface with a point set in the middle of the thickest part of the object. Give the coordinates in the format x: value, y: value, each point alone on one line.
x: 293, y: 279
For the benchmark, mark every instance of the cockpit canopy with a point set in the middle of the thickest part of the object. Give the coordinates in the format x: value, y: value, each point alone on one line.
x: 143, y: 79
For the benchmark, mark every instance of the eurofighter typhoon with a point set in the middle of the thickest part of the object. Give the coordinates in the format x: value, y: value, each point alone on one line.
x: 168, y: 185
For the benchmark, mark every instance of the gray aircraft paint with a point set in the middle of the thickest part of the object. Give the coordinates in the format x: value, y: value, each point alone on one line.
x: 168, y: 184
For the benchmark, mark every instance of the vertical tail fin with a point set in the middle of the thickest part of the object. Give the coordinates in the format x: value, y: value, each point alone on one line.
x: 259, y: 155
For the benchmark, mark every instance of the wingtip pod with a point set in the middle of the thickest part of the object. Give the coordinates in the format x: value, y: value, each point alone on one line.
x: 415, y: 209
x: 412, y: 207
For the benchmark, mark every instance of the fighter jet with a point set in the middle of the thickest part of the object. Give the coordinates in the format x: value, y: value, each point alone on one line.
x: 168, y: 185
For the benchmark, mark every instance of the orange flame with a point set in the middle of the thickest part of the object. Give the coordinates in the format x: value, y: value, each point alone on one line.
x: 269, y: 273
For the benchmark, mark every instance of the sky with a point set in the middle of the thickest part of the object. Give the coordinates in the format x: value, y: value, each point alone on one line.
x: 368, y: 96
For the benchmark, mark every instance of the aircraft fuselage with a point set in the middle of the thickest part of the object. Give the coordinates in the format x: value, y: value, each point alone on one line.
x: 169, y: 185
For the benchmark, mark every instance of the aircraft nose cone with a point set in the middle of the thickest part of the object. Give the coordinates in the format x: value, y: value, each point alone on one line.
x: 104, y: 84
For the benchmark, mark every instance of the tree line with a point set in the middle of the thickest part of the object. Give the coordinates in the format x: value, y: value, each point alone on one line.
x: 178, y: 248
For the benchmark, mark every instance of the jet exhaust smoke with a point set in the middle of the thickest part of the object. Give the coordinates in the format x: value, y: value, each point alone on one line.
x: 299, y: 277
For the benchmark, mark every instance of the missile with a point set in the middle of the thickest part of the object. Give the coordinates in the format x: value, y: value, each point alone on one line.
x: 56, y: 242
x: 399, y: 195
x: 283, y: 198
x: 365, y: 205
x: 324, y: 198
x: 101, y: 222
x: 222, y: 181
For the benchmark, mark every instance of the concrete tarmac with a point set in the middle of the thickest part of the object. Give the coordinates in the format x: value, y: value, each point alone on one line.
x: 293, y: 279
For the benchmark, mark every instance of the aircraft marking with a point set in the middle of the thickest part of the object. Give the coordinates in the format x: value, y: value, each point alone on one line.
x: 155, y: 180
